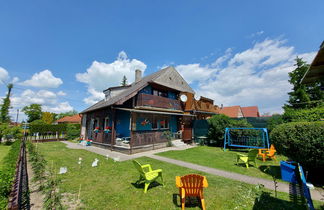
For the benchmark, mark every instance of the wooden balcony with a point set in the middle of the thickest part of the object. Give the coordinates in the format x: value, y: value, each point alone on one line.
x: 158, y: 102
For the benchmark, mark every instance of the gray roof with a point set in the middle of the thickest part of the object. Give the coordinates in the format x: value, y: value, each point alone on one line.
x: 168, y: 77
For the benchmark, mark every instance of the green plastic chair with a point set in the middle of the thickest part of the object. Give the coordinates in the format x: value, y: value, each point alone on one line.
x: 250, y: 157
x: 147, y: 175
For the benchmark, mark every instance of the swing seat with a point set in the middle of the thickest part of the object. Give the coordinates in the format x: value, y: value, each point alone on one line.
x: 250, y: 157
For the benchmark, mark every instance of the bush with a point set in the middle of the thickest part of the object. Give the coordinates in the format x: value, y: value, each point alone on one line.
x: 73, y: 131
x: 304, y: 115
x: 302, y: 142
x: 217, y: 125
x: 7, y: 173
x: 274, y: 121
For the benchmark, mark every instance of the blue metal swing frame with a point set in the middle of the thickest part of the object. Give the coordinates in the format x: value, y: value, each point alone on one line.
x: 228, y: 141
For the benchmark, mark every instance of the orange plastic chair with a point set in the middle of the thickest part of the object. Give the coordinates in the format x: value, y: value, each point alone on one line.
x: 267, y: 153
x: 191, y: 185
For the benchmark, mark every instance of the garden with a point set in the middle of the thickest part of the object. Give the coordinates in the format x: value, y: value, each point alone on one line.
x: 113, y: 185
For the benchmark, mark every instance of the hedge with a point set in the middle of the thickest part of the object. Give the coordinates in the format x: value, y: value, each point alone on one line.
x: 7, y: 173
x: 302, y: 142
x: 47, y: 128
x: 305, y: 115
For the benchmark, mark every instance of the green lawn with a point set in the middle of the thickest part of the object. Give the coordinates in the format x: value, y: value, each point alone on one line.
x: 4, y: 149
x: 215, y: 157
x: 110, y: 185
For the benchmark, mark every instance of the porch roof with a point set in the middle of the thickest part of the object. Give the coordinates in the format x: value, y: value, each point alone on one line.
x: 153, y: 112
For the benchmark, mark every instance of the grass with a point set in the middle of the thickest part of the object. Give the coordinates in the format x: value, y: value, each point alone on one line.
x: 111, y: 185
x: 215, y: 157
x: 4, y: 149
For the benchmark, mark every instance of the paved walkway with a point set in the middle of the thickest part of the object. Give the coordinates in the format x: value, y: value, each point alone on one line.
x: 282, y: 187
x: 121, y: 156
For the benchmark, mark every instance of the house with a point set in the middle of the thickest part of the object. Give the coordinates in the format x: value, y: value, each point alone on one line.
x: 139, y: 116
x: 231, y: 111
x: 250, y: 111
x: 238, y: 111
x: 315, y: 73
x: 75, y: 119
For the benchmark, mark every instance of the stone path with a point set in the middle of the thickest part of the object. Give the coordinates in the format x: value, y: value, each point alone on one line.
x: 121, y: 156
x: 282, y: 187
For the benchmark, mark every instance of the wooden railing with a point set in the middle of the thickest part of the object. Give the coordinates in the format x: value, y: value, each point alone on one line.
x: 158, y: 102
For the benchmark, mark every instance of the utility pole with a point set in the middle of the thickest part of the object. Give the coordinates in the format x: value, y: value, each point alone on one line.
x: 17, y: 117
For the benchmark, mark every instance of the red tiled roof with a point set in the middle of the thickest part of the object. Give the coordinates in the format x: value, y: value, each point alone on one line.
x: 250, y: 111
x: 230, y: 111
x: 70, y: 119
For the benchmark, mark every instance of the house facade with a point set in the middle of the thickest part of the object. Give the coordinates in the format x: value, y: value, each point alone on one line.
x: 140, y: 116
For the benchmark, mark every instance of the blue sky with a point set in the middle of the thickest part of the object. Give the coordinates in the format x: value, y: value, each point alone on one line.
x: 62, y: 53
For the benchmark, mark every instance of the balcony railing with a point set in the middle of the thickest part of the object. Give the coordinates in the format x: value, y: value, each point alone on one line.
x: 158, y: 102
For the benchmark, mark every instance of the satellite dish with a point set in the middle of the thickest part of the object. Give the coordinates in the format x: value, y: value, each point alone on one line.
x: 183, y: 98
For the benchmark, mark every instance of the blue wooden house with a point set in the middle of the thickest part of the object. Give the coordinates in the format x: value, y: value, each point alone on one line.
x: 136, y: 117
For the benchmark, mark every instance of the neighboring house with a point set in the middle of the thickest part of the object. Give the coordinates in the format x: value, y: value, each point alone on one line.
x: 250, y: 111
x: 231, y: 111
x: 141, y: 112
x: 239, y: 112
x: 75, y: 119
x: 315, y: 73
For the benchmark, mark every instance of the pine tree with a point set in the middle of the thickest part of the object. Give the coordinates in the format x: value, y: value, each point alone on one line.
x: 4, y: 112
x: 303, y: 96
x: 124, y: 81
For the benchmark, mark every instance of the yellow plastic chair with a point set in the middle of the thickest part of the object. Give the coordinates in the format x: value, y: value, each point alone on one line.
x: 191, y: 185
x: 147, y: 175
x: 250, y: 157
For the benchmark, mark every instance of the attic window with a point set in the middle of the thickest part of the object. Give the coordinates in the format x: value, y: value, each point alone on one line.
x: 182, y: 83
x: 170, y: 78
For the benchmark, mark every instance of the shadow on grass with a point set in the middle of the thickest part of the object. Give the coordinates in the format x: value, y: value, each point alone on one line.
x: 141, y: 185
x: 273, y: 171
x: 266, y: 201
x: 190, y: 201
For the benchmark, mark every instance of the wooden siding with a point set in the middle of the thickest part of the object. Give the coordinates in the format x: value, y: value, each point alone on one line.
x: 158, y: 101
x: 147, y: 137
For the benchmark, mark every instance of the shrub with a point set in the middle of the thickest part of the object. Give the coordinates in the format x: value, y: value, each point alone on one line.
x: 274, y: 121
x: 7, y: 173
x: 73, y: 131
x: 302, y: 142
x: 217, y: 125
x: 304, y: 115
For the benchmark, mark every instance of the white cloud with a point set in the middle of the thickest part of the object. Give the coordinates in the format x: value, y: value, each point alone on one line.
x: 100, y: 75
x: 256, y: 76
x: 61, y: 93
x: 4, y: 75
x: 43, y: 79
x: 61, y: 107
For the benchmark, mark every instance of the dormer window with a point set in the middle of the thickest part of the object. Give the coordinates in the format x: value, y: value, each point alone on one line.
x: 160, y: 93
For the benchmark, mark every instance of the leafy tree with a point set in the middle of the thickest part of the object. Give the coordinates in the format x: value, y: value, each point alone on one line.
x: 124, y: 81
x: 4, y: 112
x: 33, y: 111
x: 64, y: 114
x: 47, y: 117
x: 303, y: 96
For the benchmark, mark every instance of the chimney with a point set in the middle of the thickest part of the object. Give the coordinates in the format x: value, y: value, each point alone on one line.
x: 138, y: 75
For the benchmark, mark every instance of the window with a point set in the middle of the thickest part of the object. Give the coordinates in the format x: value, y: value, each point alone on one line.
x: 105, y: 122
x: 164, y: 123
x: 160, y: 93
x: 154, y: 122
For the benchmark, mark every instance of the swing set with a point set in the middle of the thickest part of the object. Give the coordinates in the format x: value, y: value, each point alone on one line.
x: 256, y: 138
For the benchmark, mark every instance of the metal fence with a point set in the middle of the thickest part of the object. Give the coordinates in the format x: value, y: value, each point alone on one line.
x: 19, y: 196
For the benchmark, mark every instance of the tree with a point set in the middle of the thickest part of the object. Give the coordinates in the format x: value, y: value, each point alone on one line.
x: 124, y: 81
x: 303, y: 96
x: 47, y: 117
x: 4, y: 112
x: 33, y: 111
x: 64, y: 114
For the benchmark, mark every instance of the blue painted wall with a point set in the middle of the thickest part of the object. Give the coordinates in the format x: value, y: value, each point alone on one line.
x: 172, y: 95
x: 173, y: 124
x: 146, y: 90
x: 140, y: 127
x: 122, y: 123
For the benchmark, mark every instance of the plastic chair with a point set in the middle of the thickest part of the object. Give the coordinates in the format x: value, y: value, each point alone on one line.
x: 147, y: 175
x: 250, y: 157
x: 191, y: 185
x: 267, y: 153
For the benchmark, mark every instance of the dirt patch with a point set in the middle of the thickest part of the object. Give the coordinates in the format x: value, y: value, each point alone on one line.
x: 36, y: 196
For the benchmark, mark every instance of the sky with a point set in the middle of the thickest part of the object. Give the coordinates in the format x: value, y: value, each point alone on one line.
x: 62, y: 54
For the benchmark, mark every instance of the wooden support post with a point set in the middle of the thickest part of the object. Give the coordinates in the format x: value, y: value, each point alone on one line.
x: 113, y: 129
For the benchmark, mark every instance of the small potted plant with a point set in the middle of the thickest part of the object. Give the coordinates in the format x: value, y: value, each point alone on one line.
x: 96, y: 130
x: 107, y: 129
